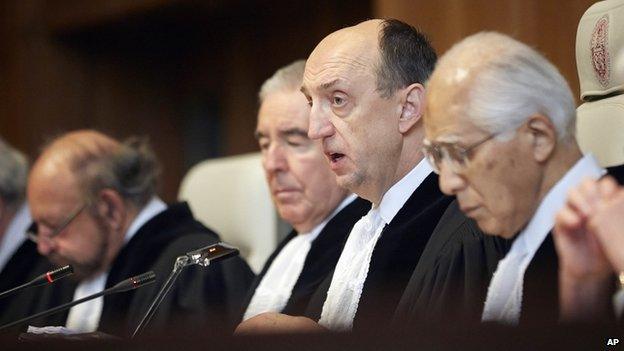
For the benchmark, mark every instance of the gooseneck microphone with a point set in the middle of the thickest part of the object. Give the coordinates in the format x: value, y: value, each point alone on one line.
x: 125, y: 285
x: 203, y: 257
x: 46, y: 278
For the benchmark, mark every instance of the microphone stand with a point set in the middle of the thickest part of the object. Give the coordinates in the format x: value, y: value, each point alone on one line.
x: 128, y: 284
x: 202, y: 257
x: 46, y: 278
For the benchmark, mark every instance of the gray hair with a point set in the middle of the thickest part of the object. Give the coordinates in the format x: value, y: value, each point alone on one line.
x: 513, y: 83
x: 286, y: 79
x: 13, y: 175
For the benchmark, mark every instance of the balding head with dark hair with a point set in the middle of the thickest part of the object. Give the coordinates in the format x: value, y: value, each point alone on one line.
x: 84, y: 191
x: 366, y: 87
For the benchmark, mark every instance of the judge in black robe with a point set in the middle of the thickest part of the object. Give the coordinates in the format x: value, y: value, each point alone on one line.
x: 451, y: 279
x: 203, y: 299
x: 321, y: 259
x: 394, y: 258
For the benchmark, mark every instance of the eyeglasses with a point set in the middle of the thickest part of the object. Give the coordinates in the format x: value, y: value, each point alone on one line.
x: 33, y: 232
x: 457, y: 156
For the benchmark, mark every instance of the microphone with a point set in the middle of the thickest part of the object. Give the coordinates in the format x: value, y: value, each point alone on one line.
x: 46, y: 278
x: 203, y: 257
x: 210, y: 254
x: 125, y: 285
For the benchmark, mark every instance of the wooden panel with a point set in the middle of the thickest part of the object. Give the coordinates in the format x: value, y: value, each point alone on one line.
x: 183, y: 72
x: 548, y: 25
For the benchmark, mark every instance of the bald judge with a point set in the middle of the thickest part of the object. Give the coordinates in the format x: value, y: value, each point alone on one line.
x: 94, y: 203
x: 365, y: 88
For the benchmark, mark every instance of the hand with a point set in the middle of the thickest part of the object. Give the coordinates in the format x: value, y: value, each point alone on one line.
x: 607, y: 224
x: 277, y: 323
x: 581, y: 256
x: 584, y: 271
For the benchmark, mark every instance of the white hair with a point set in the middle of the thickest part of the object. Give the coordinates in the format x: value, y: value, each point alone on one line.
x: 513, y: 83
x: 13, y: 174
x: 286, y: 79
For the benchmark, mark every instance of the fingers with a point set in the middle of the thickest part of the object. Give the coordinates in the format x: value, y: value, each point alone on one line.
x: 568, y: 221
x: 607, y: 187
x: 584, y: 198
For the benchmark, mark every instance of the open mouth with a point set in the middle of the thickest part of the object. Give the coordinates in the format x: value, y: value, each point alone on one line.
x: 335, y: 157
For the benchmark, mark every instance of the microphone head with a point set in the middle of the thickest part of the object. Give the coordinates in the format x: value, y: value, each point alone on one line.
x: 52, y: 276
x: 60, y: 273
x: 211, y: 254
x: 135, y: 282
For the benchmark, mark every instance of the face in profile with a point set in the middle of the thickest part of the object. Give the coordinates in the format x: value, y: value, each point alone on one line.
x: 67, y: 230
x: 302, y: 186
x: 498, y: 185
x: 358, y: 127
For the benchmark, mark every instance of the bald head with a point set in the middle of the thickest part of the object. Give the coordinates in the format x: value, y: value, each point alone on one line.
x: 394, y: 53
x: 365, y: 86
x: 84, y: 191
x: 89, y: 161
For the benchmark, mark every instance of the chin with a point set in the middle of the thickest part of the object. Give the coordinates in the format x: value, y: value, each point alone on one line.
x: 491, y: 227
x: 350, y: 181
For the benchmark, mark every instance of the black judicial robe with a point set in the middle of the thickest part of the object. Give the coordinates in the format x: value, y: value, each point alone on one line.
x: 321, y: 259
x: 540, y: 298
x: 617, y: 172
x: 540, y: 292
x: 451, y: 279
x: 23, y: 266
x: 205, y: 299
x: 394, y: 258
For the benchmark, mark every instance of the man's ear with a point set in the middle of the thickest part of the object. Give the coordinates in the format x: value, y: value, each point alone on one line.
x: 543, y: 136
x: 413, y: 103
x: 111, y: 208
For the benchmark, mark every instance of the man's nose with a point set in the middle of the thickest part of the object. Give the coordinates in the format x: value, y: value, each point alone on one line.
x: 45, y: 246
x: 320, y: 125
x: 450, y: 182
x: 275, y: 159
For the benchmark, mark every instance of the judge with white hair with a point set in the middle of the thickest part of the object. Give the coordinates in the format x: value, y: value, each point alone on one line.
x: 500, y: 132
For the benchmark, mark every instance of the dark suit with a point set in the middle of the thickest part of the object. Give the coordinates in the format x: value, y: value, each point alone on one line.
x: 321, y: 259
x: 451, y: 279
x: 23, y: 266
x: 394, y: 258
x: 201, y: 299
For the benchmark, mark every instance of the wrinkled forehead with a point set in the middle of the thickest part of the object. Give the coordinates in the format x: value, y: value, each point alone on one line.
x: 448, y: 98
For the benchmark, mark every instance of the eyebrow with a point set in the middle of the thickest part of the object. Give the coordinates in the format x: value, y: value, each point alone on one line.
x: 304, y: 90
x: 329, y: 84
x: 324, y: 86
x: 294, y: 132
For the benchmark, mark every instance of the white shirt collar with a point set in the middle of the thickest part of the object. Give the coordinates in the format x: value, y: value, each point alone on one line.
x: 86, y: 317
x: 394, y: 199
x: 504, y: 298
x: 149, y: 211
x: 532, y: 236
x: 15, y: 234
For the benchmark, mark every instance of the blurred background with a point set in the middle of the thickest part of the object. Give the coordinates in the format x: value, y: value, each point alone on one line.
x: 185, y: 73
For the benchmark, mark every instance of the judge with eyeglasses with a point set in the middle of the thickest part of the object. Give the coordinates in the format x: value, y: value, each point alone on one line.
x: 500, y: 133
x: 93, y: 200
